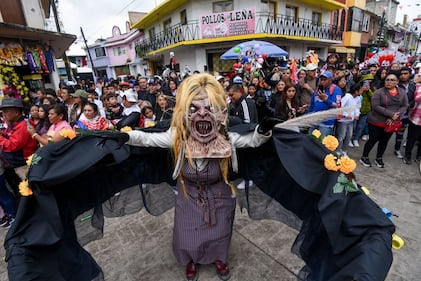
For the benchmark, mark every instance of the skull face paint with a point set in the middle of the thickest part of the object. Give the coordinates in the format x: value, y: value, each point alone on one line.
x: 205, y: 119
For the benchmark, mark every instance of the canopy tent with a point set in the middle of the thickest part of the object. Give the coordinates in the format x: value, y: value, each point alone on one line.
x: 256, y: 47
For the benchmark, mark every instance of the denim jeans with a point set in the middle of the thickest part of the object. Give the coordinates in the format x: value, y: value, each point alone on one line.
x: 344, y: 133
x: 7, y: 201
x: 399, y: 134
x: 326, y: 130
x: 362, y: 128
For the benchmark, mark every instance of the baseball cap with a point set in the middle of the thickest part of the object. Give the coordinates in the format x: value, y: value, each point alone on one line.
x: 311, y: 67
x: 80, y: 93
x: 327, y: 74
x: 237, y: 80
x: 130, y: 95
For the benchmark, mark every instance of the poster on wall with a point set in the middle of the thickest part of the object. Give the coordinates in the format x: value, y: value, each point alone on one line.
x: 229, y: 23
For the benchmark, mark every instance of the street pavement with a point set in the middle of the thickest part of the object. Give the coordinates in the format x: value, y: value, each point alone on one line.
x: 138, y: 247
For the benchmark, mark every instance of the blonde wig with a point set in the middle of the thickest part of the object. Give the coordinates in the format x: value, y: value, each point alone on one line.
x: 194, y: 88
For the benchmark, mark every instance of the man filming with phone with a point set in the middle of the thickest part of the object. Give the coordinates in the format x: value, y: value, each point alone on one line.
x: 327, y: 96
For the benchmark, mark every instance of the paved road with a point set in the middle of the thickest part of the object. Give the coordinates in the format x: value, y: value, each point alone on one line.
x: 138, y: 247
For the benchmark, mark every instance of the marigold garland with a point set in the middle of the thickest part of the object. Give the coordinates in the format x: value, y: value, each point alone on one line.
x: 330, y: 142
x: 126, y: 129
x: 29, y: 160
x: 68, y: 133
x: 24, y: 189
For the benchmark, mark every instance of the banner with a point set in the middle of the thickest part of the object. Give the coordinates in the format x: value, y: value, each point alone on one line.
x: 229, y: 23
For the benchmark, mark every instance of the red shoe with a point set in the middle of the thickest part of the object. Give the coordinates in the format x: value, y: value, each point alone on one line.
x: 222, y: 270
x: 191, y: 272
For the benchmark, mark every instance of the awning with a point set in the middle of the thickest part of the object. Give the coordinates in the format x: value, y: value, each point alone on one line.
x: 60, y: 42
x: 84, y: 69
x: 344, y: 50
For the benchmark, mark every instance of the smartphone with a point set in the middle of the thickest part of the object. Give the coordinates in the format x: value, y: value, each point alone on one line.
x: 321, y: 88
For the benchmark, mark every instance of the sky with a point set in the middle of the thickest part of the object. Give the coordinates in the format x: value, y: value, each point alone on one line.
x: 97, y: 18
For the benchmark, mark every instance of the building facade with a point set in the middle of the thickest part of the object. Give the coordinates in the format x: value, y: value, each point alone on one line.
x: 116, y: 56
x: 27, y: 49
x: 198, y: 32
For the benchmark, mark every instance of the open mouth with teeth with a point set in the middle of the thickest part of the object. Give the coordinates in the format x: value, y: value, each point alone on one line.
x: 203, y: 127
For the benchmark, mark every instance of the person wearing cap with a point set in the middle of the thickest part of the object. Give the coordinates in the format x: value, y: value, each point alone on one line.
x: 409, y: 87
x: 328, y: 96
x: 131, y: 111
x: 16, y: 145
x: 308, y: 85
x: 80, y: 98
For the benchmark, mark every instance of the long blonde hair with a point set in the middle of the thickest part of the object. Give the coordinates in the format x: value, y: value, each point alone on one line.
x: 190, y: 89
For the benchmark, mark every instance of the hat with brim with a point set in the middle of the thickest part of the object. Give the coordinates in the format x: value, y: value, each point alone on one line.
x: 367, y: 77
x: 311, y: 67
x: 131, y: 96
x: 125, y: 84
x: 80, y: 93
x: 11, y: 103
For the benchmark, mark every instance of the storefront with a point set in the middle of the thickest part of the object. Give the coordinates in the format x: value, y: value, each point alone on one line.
x: 27, y: 59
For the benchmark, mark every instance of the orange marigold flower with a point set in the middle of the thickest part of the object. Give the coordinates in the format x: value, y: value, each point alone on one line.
x: 347, y: 165
x: 316, y: 133
x: 24, y: 188
x: 29, y: 160
x: 68, y: 133
x: 330, y: 142
x: 126, y: 129
x: 330, y: 162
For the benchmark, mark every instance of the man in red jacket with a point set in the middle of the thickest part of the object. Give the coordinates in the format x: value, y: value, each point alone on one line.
x: 16, y: 143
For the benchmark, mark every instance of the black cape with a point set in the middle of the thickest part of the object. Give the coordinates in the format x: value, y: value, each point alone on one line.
x: 76, y: 183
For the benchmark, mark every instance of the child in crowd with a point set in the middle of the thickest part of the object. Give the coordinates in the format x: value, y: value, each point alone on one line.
x: 148, y: 117
x: 114, y: 110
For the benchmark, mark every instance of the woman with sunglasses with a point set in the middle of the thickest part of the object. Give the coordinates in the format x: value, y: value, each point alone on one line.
x: 387, y: 105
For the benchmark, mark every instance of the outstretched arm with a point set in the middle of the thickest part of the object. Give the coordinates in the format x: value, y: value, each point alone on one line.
x: 140, y: 138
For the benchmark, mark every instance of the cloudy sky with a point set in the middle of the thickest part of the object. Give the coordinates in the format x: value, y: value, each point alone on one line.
x: 98, y: 17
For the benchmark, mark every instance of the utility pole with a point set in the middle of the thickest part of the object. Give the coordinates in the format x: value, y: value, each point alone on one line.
x: 89, y: 53
x: 65, y: 59
x: 380, y: 32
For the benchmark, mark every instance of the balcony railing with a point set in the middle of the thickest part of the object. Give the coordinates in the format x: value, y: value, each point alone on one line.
x: 265, y: 23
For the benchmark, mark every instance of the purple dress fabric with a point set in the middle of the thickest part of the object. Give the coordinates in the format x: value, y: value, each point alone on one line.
x: 204, y: 216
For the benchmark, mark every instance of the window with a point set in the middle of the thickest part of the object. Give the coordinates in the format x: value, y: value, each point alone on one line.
x: 100, y: 52
x: 291, y: 12
x: 183, y: 17
x: 223, y: 6
x: 316, y: 18
x: 335, y: 19
x: 366, y: 23
x: 152, y: 33
x: 119, y: 51
x: 167, y: 25
x: 342, y: 20
x: 355, y: 19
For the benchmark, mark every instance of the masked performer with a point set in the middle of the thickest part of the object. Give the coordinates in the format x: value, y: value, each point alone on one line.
x: 205, y: 202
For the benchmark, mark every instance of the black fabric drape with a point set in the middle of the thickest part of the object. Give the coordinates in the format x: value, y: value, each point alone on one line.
x: 342, y: 236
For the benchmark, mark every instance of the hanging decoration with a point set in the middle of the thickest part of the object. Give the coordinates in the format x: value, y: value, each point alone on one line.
x: 10, y: 83
x: 11, y: 54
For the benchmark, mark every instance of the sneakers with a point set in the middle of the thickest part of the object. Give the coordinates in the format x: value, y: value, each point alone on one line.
x: 365, y: 161
x: 350, y: 144
x: 398, y: 154
x: 3, y: 220
x: 379, y: 162
x: 364, y: 137
x: 344, y: 154
x: 355, y: 143
x: 407, y: 161
x: 7, y: 221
